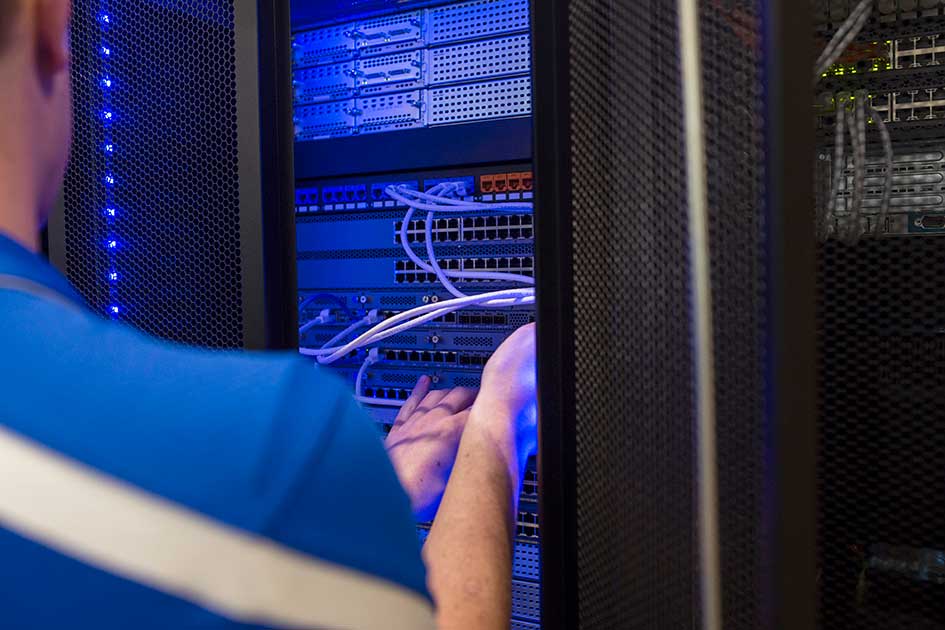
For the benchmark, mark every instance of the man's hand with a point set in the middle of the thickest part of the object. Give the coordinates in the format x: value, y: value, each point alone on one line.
x: 423, y: 442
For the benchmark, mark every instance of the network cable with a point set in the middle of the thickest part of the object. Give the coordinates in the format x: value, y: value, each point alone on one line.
x: 847, y: 32
x: 371, y: 359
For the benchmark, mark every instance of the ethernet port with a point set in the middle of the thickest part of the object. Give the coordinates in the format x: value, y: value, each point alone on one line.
x: 475, y: 320
x: 501, y: 320
x: 403, y: 355
x: 369, y: 392
x: 492, y: 263
x: 487, y: 183
x: 410, y: 277
x: 399, y: 265
x: 515, y: 233
x: 329, y: 195
x: 450, y: 318
x: 491, y: 221
x: 349, y: 194
x: 515, y: 220
x: 526, y: 219
x: 515, y: 181
x: 390, y: 355
x: 453, y: 224
x: 526, y: 232
x: 491, y: 235
x: 361, y: 193
x: 438, y: 357
x: 527, y: 181
x: 502, y: 221
x: 398, y: 226
x: 450, y: 357
x: 453, y: 264
x: 479, y: 263
x: 442, y: 224
x: 377, y: 193
x: 431, y: 277
x: 414, y: 356
x: 503, y: 234
x: 503, y: 263
x: 463, y: 359
x: 501, y: 182
x: 425, y: 357
x: 479, y: 222
x: 403, y: 394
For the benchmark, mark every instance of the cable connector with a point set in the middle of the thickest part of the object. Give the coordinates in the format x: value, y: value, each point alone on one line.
x: 372, y: 317
x: 373, y: 356
x: 324, y: 317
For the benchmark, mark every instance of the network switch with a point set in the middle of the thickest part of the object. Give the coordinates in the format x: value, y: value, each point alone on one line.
x: 458, y: 63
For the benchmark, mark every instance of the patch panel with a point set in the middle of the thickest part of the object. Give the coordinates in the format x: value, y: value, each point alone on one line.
x: 407, y: 272
x: 390, y: 112
x: 506, y: 182
x: 435, y: 357
x: 500, y: 227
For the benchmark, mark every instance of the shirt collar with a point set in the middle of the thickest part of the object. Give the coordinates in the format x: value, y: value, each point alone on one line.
x: 16, y: 260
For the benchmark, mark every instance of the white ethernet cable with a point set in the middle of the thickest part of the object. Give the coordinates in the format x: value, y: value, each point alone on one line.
x: 847, y: 32
x: 371, y: 359
x: 419, y: 315
x: 839, y: 160
x: 323, y: 318
x: 400, y: 193
x: 889, y: 157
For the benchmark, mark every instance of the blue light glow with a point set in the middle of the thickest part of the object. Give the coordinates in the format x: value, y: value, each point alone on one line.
x: 113, y: 276
x: 111, y: 244
x: 107, y: 115
x: 105, y: 18
x: 109, y: 148
x: 109, y: 179
x: 106, y: 51
x: 107, y: 82
x: 109, y: 212
x: 114, y: 309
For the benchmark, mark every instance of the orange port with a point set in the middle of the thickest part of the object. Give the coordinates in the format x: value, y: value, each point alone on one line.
x: 487, y: 183
x: 526, y: 181
x: 515, y: 181
x: 501, y: 182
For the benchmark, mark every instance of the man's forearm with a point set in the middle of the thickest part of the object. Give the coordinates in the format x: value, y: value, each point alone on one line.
x: 469, y: 550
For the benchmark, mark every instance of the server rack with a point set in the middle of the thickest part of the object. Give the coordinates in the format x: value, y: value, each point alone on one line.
x: 177, y: 207
x: 618, y: 363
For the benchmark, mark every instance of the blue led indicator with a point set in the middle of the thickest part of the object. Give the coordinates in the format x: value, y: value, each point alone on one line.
x: 113, y: 276
x: 107, y: 82
x: 109, y: 212
x: 106, y: 51
x: 110, y: 179
x: 114, y: 309
x: 108, y: 115
x: 106, y: 18
x: 109, y: 148
x: 112, y: 244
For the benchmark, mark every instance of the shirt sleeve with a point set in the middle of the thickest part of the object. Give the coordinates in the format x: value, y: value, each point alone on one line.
x: 346, y: 505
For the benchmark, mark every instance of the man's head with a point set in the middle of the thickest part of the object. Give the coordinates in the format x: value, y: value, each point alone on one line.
x: 35, y: 112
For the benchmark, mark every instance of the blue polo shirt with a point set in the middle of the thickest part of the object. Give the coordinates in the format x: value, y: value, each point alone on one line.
x: 260, y: 444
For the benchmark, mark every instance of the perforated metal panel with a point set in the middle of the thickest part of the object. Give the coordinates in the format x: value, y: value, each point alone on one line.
x: 635, y: 461
x: 480, y: 101
x: 481, y: 59
x: 152, y: 204
x: 882, y: 431
x: 477, y: 19
x: 165, y: 205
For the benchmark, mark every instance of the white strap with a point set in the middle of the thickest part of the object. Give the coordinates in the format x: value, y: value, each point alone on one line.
x: 119, y: 528
x: 22, y: 285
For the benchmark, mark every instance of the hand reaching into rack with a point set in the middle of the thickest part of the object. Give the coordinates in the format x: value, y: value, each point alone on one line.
x: 422, y: 444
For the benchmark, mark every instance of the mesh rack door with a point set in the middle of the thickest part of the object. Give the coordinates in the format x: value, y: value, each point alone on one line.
x: 163, y: 214
x: 618, y: 431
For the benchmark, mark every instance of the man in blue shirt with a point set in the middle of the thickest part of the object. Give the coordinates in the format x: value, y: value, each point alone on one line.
x: 146, y: 485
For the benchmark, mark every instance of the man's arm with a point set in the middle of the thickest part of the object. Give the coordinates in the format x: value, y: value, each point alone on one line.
x: 469, y: 550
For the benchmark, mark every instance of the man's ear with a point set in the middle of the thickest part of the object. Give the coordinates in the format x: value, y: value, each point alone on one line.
x: 51, y: 20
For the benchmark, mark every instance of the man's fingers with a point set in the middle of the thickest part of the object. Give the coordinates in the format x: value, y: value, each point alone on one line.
x: 459, y: 399
x: 420, y: 390
x: 431, y: 400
